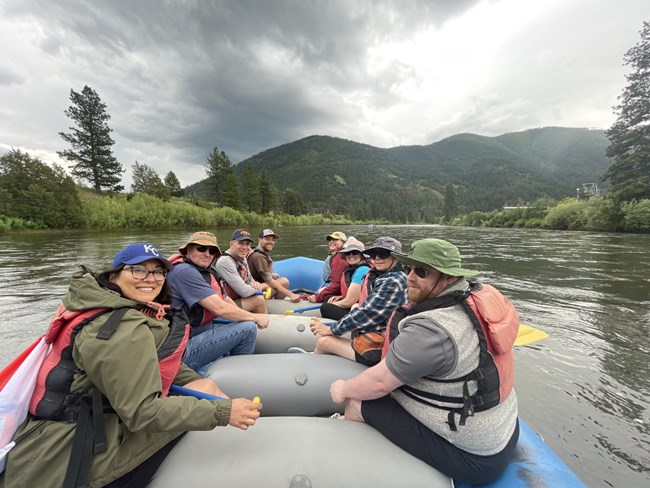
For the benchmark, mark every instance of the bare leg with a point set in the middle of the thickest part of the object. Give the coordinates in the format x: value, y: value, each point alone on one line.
x: 353, y: 411
x: 254, y: 304
x: 283, y: 282
x: 339, y: 346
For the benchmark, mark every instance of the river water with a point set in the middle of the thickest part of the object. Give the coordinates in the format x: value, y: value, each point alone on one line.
x: 585, y: 389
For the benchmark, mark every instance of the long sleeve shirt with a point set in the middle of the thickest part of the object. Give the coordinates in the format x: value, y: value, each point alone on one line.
x: 388, y: 292
x: 227, y: 270
x: 338, y: 264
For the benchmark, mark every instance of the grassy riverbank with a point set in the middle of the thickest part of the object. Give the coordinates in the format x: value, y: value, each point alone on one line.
x: 595, y: 214
x: 142, y: 211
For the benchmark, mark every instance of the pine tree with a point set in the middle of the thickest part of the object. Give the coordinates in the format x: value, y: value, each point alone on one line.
x: 630, y: 135
x: 450, y: 206
x: 171, y: 182
x: 91, y: 142
x: 250, y: 181
x: 146, y: 180
x: 217, y: 166
x: 292, y: 202
x: 268, y: 194
x: 231, y: 196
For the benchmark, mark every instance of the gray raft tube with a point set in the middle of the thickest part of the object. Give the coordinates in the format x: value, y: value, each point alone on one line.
x: 288, y: 384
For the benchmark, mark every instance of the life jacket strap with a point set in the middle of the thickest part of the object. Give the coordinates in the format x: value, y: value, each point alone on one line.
x: 110, y: 326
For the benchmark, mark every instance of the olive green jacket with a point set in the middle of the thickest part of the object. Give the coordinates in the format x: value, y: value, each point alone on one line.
x: 125, y: 368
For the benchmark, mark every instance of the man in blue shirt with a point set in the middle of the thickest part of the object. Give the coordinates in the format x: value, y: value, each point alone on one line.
x: 197, y: 290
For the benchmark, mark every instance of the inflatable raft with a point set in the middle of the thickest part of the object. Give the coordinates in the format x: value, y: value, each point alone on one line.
x: 292, y: 445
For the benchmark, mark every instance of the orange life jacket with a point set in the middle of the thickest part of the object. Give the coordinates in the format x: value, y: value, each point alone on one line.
x: 496, y: 323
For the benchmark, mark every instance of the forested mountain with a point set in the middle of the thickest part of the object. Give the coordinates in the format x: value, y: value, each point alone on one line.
x: 407, y: 183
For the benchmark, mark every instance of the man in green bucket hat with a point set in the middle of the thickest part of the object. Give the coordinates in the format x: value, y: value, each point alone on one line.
x: 443, y: 390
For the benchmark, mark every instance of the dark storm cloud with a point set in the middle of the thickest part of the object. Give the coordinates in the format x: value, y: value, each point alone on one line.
x: 180, y: 78
x: 243, y: 75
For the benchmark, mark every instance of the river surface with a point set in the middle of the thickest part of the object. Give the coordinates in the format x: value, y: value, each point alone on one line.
x: 585, y: 389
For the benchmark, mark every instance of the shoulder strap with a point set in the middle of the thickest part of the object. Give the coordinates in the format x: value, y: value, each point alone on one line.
x: 110, y: 326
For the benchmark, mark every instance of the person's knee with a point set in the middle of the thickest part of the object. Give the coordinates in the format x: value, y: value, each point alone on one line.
x: 326, y: 344
x: 258, y: 304
x: 248, y: 327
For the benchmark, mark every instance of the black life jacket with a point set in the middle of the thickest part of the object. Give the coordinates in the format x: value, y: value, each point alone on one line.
x: 348, y: 273
x: 496, y: 323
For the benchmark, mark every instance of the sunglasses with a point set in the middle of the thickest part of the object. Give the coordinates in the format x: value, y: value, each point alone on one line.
x: 378, y: 253
x: 419, y: 271
x: 212, y: 250
x: 352, y: 253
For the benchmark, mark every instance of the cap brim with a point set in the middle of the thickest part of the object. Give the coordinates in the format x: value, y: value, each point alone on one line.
x: 141, y: 259
x: 183, y: 248
x: 376, y: 248
x: 404, y: 258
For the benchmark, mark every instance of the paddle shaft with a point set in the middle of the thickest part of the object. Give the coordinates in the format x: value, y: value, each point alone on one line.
x: 181, y: 390
x: 525, y: 335
x: 303, y: 309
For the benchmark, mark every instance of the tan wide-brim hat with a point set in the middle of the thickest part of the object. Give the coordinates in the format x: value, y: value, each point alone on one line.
x: 200, y: 239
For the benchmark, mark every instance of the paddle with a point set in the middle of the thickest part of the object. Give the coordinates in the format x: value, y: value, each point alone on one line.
x: 266, y: 293
x: 528, y: 335
x: 525, y: 335
x: 181, y: 390
x: 301, y: 310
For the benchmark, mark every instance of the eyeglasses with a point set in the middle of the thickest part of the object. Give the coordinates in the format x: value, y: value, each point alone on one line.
x: 419, y: 271
x: 378, y: 253
x: 212, y: 250
x: 141, y: 273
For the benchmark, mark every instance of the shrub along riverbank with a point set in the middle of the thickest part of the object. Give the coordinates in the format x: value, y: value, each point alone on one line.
x: 595, y: 214
x: 142, y: 211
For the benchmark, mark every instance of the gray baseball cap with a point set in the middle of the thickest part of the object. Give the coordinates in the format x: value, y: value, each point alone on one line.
x: 387, y: 243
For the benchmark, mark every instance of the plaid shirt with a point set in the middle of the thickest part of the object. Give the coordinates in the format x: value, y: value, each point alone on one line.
x: 388, y: 292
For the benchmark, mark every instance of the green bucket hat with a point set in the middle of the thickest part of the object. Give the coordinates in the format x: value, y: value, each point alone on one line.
x: 436, y: 254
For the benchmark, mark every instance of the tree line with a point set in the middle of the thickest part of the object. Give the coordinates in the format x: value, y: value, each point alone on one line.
x: 36, y: 195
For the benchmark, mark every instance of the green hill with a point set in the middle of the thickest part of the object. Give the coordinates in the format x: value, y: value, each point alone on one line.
x: 406, y: 183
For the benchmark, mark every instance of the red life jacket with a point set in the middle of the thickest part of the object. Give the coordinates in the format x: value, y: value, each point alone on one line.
x: 197, y: 314
x: 348, y: 273
x: 242, y: 269
x: 496, y: 323
x: 52, y: 394
x: 368, y: 282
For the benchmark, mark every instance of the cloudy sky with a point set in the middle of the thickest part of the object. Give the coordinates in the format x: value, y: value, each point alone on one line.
x: 181, y: 77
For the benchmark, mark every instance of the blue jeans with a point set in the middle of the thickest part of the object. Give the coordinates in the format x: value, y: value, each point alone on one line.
x: 213, y: 341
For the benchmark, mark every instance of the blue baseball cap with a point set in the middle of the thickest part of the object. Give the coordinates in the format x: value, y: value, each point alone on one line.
x: 241, y: 235
x: 138, y: 253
